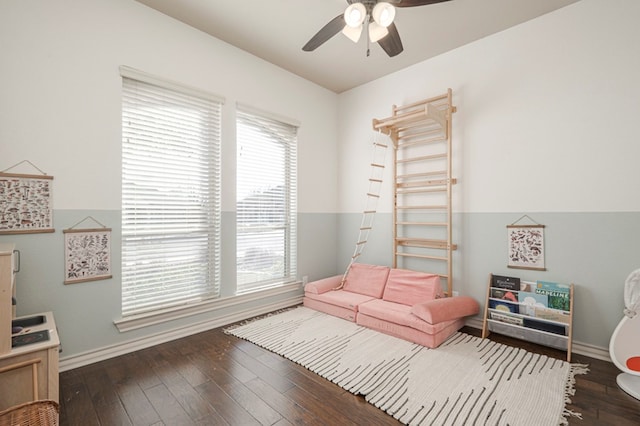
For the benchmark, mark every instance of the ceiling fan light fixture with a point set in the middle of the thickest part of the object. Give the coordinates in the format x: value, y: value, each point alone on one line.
x: 377, y: 32
x: 355, y: 14
x: 352, y: 33
x: 383, y: 13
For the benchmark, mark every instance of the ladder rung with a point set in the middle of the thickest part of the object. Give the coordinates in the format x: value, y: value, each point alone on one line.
x: 410, y: 142
x: 423, y: 223
x: 422, y: 158
x: 361, y: 242
x: 377, y: 165
x: 356, y: 256
x: 375, y: 180
x: 366, y: 228
x: 369, y: 212
x: 372, y: 195
x: 422, y: 207
x: 425, y: 183
x: 402, y: 191
x: 421, y: 256
x: 424, y: 243
x: 425, y: 174
x: 381, y: 145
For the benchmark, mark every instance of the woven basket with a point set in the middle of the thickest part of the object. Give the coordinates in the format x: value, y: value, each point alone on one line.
x: 35, y: 413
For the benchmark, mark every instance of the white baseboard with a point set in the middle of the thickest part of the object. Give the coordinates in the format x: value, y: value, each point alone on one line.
x: 90, y: 357
x: 585, y: 349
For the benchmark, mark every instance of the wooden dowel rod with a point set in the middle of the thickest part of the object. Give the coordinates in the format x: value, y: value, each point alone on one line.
x: 18, y: 365
x: 421, y: 158
x: 420, y: 256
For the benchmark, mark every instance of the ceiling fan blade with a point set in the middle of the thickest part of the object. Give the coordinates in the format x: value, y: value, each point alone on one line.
x: 412, y: 3
x: 392, y: 43
x: 332, y: 28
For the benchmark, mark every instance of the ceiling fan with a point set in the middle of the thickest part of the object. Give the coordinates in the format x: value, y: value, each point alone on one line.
x: 376, y: 16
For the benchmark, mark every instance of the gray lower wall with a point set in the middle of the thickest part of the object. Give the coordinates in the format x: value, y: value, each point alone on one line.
x: 587, y: 249
x: 590, y: 250
x: 85, y: 312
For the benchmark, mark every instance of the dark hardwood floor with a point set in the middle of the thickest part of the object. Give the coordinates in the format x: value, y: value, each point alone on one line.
x: 215, y: 379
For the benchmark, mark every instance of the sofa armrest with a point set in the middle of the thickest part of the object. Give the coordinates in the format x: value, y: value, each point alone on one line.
x: 324, y: 285
x: 446, y: 309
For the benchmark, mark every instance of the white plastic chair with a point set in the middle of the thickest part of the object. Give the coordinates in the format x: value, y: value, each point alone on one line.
x: 624, y: 347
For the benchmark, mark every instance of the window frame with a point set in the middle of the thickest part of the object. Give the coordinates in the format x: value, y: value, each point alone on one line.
x: 211, y: 210
x: 289, y: 225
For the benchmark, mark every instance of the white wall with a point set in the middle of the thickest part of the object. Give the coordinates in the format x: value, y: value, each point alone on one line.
x: 61, y: 98
x: 547, y: 113
x: 546, y: 125
x: 60, y: 108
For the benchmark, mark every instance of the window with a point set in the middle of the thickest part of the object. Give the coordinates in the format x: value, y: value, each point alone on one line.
x: 170, y: 194
x: 266, y: 201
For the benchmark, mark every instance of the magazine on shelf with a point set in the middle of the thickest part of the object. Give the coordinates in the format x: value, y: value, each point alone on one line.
x: 509, y: 295
x: 504, y: 306
x: 558, y: 294
x: 506, y: 318
x: 529, y: 286
x: 529, y: 301
x: 545, y: 326
x: 552, y: 315
x: 508, y: 283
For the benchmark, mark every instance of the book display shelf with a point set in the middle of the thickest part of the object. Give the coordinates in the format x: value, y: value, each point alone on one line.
x: 537, y: 311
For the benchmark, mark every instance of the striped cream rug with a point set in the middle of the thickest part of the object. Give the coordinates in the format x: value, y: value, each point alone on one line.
x: 465, y: 381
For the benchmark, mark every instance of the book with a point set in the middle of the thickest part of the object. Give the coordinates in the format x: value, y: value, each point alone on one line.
x: 548, y: 285
x: 529, y: 301
x: 527, y: 286
x: 506, y: 318
x: 509, y: 283
x: 545, y: 326
x: 557, y: 294
x: 552, y: 315
x: 504, y: 294
x: 504, y: 306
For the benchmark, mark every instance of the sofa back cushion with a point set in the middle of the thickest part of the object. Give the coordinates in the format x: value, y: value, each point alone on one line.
x: 366, y: 279
x: 411, y: 287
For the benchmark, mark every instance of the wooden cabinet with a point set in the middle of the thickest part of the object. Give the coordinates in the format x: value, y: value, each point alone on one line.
x: 7, y: 290
x: 29, y: 371
x: 540, y: 312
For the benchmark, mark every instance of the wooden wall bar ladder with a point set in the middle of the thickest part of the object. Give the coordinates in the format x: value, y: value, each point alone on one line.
x: 422, y: 182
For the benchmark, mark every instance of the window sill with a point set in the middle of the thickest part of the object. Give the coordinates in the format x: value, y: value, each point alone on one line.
x: 158, y: 317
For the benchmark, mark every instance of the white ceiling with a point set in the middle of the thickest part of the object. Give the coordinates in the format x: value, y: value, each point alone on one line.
x: 276, y: 30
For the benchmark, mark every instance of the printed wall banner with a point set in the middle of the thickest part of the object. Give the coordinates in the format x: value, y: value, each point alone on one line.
x: 526, y: 246
x: 87, y: 254
x: 25, y: 203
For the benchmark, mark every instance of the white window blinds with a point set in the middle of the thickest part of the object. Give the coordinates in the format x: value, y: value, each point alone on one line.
x: 266, y: 201
x: 170, y: 194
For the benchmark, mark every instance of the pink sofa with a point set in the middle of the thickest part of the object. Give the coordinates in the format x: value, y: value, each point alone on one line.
x: 402, y: 303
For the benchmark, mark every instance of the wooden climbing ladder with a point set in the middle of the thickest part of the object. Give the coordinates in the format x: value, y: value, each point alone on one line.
x: 422, y: 182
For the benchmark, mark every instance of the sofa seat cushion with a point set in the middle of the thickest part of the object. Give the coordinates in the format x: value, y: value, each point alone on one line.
x: 450, y: 308
x: 400, y: 314
x: 411, y: 287
x: 408, y: 333
x: 366, y: 279
x: 341, y: 298
x: 328, y: 308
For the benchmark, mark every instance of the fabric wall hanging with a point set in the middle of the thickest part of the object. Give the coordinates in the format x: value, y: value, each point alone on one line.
x: 525, y: 245
x: 87, y: 253
x: 25, y: 202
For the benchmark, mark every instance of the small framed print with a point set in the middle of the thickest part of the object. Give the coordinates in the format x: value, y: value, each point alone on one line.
x: 87, y: 254
x: 526, y: 247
